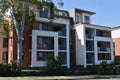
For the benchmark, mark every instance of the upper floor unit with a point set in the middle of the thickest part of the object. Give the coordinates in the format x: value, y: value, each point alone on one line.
x: 116, y: 32
x: 81, y: 16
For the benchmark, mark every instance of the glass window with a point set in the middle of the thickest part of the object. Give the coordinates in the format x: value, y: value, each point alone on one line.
x: 90, y: 58
x: 46, y: 43
x: 5, y: 42
x: 63, y: 14
x: 42, y: 56
x: 64, y: 57
x: 60, y: 29
x: 62, y: 44
x: 4, y: 57
x: 40, y: 27
x: 44, y: 12
x: 103, y: 46
x: 104, y: 56
x: 76, y: 19
x: 87, y: 19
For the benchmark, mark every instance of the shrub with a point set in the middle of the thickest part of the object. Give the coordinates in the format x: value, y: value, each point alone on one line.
x: 103, y: 66
x: 5, y: 70
x: 54, y: 66
x: 116, y: 62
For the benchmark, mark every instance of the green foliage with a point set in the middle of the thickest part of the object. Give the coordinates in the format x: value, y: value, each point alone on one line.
x: 103, y: 66
x: 4, y: 70
x: 116, y: 62
x: 14, y: 65
x: 7, y: 70
x: 54, y: 66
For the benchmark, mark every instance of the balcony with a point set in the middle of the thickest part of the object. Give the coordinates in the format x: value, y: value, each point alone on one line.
x: 90, y: 58
x: 89, y: 45
x: 89, y: 33
x: 103, y: 49
x: 103, y: 46
x: 103, y: 33
x: 89, y: 36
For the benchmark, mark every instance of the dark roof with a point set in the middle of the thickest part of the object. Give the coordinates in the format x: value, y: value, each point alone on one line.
x: 85, y: 11
x: 118, y: 27
x: 62, y: 10
x: 67, y: 17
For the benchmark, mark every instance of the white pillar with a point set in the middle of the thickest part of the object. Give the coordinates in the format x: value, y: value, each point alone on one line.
x: 96, y: 51
x: 55, y: 46
x: 112, y: 51
x: 67, y: 39
x: 84, y: 42
x: 33, y: 56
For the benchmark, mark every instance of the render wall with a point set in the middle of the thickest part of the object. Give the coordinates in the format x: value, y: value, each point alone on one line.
x: 80, y: 46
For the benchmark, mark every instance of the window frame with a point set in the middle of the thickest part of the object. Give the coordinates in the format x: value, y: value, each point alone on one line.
x: 87, y: 19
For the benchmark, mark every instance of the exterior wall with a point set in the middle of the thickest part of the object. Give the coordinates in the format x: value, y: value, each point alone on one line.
x: 81, y: 52
x: 2, y: 49
x: 116, y: 40
x: 72, y: 14
x: 117, y: 46
x: 116, y: 33
x: 80, y: 17
x: 35, y: 33
x: 80, y: 46
x: 85, y: 14
x: 97, y: 62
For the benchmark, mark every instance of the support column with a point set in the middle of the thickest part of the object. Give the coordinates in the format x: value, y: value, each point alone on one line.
x: 68, y: 44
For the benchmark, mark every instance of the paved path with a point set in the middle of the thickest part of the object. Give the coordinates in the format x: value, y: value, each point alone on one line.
x: 88, y: 77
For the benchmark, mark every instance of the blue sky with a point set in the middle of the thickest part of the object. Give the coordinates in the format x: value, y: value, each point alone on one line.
x: 107, y: 11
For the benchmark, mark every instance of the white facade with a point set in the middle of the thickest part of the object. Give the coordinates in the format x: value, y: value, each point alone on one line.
x: 55, y: 35
x: 116, y: 33
x: 81, y: 45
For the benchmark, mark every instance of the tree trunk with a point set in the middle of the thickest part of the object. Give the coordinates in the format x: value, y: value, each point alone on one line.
x: 19, y: 47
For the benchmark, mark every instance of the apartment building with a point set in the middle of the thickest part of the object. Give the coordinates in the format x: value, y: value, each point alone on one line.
x: 43, y: 38
x: 69, y: 33
x: 116, y: 40
x: 93, y: 43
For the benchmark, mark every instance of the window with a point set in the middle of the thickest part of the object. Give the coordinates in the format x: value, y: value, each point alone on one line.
x: 4, y: 57
x: 103, y: 46
x: 76, y: 19
x: 104, y: 56
x: 46, y: 43
x: 63, y: 14
x: 64, y: 57
x: 42, y: 56
x: 40, y: 26
x: 5, y: 42
x: 62, y: 44
x: 87, y: 19
x: 44, y: 12
x: 90, y: 58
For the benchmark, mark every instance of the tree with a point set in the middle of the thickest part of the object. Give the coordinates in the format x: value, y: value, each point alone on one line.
x: 54, y: 65
x: 22, y: 14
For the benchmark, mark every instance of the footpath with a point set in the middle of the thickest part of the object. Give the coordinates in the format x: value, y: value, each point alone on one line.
x: 84, y: 77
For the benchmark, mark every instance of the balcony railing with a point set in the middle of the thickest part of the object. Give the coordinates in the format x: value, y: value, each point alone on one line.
x: 103, y: 49
x: 89, y: 36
